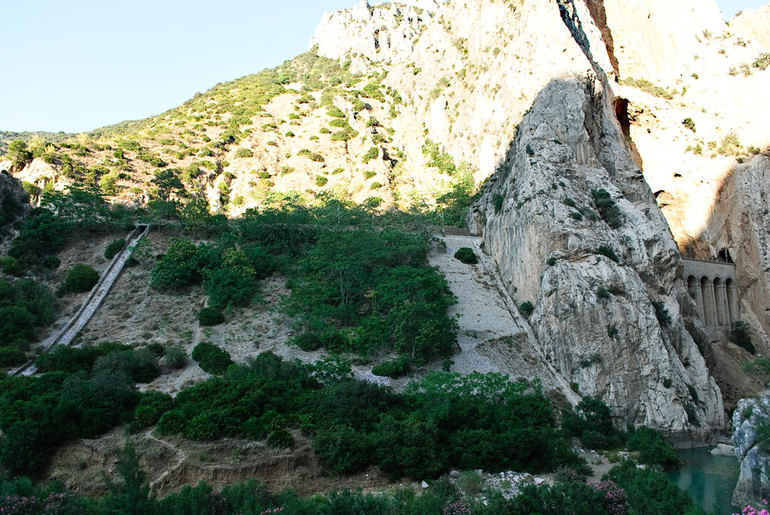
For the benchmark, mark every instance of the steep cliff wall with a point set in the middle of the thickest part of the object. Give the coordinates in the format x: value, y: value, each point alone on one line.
x: 468, y: 70
x: 593, y: 274
x: 604, y: 292
x: 753, y: 483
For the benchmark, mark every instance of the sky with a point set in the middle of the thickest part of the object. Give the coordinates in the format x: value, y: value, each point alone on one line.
x: 78, y: 65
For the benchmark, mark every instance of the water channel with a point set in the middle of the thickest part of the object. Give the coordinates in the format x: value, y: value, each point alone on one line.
x: 708, y: 479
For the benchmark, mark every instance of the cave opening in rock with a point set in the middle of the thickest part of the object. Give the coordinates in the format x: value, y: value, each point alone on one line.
x: 621, y: 113
x: 724, y: 256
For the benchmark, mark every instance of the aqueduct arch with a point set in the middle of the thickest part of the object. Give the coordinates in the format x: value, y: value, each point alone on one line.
x: 711, y: 284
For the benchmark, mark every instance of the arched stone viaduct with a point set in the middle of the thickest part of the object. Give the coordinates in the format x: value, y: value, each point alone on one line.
x: 712, y: 285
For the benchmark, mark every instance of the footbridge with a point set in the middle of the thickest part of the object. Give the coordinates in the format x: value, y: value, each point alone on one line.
x: 66, y: 334
x: 712, y: 285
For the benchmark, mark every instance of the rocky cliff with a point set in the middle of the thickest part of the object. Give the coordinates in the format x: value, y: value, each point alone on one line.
x: 575, y: 229
x: 750, y: 442
x: 684, y: 95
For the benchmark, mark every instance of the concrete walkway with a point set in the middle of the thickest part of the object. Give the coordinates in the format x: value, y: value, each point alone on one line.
x: 79, y: 320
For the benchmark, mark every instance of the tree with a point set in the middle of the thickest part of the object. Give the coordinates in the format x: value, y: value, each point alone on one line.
x: 132, y: 495
x: 167, y: 183
x: 179, y: 267
x: 18, y: 154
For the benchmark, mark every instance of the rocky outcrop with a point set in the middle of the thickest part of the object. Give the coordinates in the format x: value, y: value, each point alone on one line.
x: 738, y: 225
x: 754, y: 481
x: 751, y: 25
x: 603, y: 280
x: 14, y: 201
x: 467, y: 71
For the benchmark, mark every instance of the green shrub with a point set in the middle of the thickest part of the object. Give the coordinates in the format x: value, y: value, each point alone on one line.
x: 280, y: 439
x: 211, y: 358
x: 210, y: 317
x: 661, y: 313
x: 650, y: 492
x: 607, y: 208
x: 151, y: 407
x: 368, y: 174
x: 653, y: 449
x: 80, y: 279
x: 114, y: 247
x: 466, y: 255
x: 10, y: 356
x: 688, y: 123
x: 320, y: 180
x: 607, y: 252
x: 372, y: 153
x: 497, y: 201
x: 140, y: 366
x: 244, y: 152
x: 526, y: 308
x: 175, y: 357
x: 11, y: 266
x: 740, y: 335
x: 396, y: 368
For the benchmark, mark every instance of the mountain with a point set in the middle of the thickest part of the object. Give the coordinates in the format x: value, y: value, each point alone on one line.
x: 612, y: 139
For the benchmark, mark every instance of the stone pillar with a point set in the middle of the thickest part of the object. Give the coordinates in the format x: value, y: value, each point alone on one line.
x: 709, y: 304
x: 699, y: 302
x: 732, y: 301
x: 720, y: 296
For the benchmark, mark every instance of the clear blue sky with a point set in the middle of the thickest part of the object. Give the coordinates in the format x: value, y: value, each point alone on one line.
x: 77, y: 65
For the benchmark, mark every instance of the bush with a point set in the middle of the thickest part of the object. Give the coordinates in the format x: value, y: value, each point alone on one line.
x: 210, y: 316
x: 372, y: 153
x: 175, y: 357
x: 526, y: 308
x: 396, y: 368
x: 10, y: 356
x: 151, y: 407
x: 607, y: 208
x: 243, y: 152
x: 11, y: 266
x: 320, y: 180
x: 653, y: 449
x: 280, y: 439
x: 80, y: 279
x: 688, y: 123
x: 739, y: 335
x: 114, y: 247
x: 140, y: 366
x: 211, y: 358
x: 650, y: 492
x: 466, y: 255
x: 661, y: 313
x: 607, y: 252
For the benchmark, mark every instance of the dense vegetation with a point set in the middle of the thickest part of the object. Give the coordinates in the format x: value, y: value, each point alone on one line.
x: 625, y: 489
x: 25, y: 306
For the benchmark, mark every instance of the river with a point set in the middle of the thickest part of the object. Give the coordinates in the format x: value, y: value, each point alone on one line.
x: 708, y: 479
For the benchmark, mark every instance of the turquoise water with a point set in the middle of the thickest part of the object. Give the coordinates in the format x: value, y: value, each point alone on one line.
x: 708, y: 479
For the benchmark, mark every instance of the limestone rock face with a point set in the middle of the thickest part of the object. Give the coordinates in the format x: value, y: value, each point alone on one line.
x: 754, y: 481
x: 41, y: 174
x: 14, y: 201
x: 752, y: 24
x: 738, y: 223
x: 595, y: 279
x: 467, y: 70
